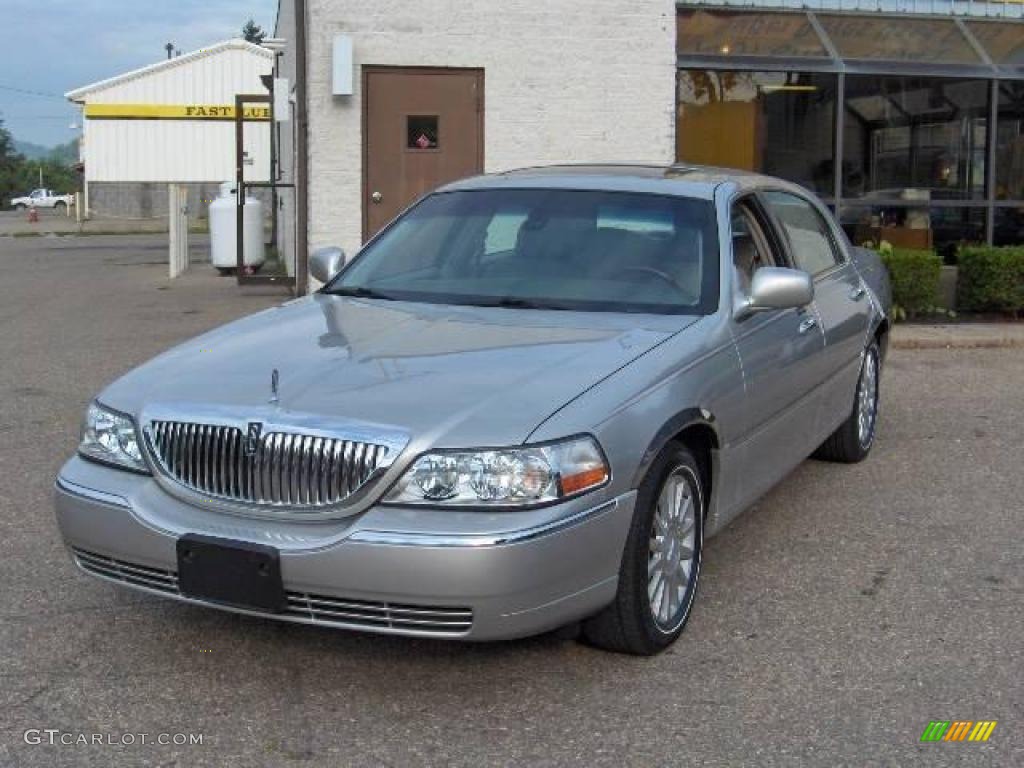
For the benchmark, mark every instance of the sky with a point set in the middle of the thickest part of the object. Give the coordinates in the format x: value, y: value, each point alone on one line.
x: 52, y: 46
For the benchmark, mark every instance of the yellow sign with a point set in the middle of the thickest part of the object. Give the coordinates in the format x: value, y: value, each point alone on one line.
x: 172, y: 112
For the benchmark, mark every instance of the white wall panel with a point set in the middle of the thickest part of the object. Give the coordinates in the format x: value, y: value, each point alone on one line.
x: 170, y: 150
x: 212, y: 80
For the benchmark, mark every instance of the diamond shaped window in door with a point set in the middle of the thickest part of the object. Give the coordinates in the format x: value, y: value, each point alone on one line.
x: 422, y: 132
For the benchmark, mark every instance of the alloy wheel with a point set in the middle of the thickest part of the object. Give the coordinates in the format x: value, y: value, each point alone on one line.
x: 673, y: 551
x: 867, y: 400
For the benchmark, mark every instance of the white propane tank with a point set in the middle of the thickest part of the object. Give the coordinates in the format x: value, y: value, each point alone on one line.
x: 223, y: 231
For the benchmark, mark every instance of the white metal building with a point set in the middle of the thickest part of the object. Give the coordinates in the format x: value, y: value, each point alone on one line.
x: 172, y: 122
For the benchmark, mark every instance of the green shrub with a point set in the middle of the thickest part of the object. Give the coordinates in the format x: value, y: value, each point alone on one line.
x: 914, y: 276
x: 991, y: 279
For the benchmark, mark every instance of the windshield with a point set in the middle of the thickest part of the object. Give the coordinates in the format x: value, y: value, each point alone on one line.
x: 546, y: 249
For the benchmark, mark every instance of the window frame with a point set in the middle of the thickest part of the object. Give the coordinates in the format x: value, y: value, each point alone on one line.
x: 765, y: 234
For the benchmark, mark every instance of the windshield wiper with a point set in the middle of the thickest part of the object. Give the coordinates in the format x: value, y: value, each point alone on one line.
x: 361, y: 292
x: 515, y: 302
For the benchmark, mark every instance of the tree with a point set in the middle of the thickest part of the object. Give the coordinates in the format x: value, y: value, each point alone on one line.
x: 18, y: 175
x: 10, y: 167
x: 253, y: 32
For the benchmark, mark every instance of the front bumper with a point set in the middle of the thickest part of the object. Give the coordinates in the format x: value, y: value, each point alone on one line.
x: 464, y: 575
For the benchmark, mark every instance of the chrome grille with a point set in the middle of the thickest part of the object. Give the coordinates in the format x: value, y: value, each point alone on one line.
x: 332, y: 610
x: 285, y: 469
x: 302, y: 607
x: 129, y: 573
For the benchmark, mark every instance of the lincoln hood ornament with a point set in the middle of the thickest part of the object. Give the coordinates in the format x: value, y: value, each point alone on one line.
x: 275, y: 378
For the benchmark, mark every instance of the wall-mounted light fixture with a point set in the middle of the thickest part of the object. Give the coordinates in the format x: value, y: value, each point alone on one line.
x: 342, y: 66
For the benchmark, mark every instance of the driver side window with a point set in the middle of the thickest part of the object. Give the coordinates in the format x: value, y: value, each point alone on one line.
x: 750, y: 249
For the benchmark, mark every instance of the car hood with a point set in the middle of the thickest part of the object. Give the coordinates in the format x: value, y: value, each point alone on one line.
x: 444, y: 375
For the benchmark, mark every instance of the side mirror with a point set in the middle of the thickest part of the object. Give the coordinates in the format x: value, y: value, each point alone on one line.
x: 776, y: 288
x: 325, y: 263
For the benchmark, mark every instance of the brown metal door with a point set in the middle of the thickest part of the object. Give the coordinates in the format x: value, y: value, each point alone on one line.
x: 422, y: 128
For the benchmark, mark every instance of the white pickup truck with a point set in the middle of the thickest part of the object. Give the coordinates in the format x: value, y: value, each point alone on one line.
x: 43, y: 198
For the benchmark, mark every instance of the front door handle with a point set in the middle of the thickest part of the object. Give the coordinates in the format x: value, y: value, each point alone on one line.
x: 807, y: 323
x: 376, y: 197
x: 857, y: 293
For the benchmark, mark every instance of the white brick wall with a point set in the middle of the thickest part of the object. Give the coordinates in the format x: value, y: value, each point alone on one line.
x: 565, y: 81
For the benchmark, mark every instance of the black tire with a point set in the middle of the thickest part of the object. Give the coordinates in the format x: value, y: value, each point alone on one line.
x: 19, y: 207
x: 225, y: 271
x: 60, y: 207
x: 628, y: 624
x: 847, y: 445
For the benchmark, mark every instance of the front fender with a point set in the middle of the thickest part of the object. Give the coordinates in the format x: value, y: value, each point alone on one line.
x: 689, y: 417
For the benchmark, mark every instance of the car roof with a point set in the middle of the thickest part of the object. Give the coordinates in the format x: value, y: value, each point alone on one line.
x: 697, y: 181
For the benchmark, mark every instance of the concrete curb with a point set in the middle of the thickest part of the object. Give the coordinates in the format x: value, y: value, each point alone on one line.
x: 967, y: 336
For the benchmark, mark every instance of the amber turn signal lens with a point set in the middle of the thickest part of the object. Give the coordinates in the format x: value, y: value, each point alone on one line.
x: 582, y: 480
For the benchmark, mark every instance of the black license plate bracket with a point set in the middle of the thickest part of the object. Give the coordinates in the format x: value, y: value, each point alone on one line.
x: 236, y: 573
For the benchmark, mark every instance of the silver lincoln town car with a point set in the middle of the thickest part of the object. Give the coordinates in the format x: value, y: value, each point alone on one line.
x: 524, y: 405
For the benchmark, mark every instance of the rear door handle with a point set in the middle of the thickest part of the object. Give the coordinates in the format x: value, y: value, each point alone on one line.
x: 857, y: 293
x: 807, y: 323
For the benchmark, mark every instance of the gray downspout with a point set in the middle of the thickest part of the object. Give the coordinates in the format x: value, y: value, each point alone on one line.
x: 301, y: 155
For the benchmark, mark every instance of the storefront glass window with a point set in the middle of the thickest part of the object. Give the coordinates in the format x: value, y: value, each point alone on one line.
x: 778, y: 123
x: 909, y: 138
x: 898, y: 39
x: 1010, y: 142
x: 730, y: 33
x: 941, y: 228
x: 1009, y: 226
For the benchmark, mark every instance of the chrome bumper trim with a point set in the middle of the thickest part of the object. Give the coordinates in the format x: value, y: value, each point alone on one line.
x: 90, y: 494
x: 410, y: 539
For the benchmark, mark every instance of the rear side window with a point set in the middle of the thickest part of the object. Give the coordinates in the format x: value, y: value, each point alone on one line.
x: 809, y: 236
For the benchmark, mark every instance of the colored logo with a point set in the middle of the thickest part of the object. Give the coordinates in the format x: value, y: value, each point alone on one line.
x: 958, y: 730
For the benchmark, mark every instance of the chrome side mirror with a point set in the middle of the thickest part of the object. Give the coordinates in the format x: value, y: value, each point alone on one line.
x: 325, y: 263
x: 776, y: 288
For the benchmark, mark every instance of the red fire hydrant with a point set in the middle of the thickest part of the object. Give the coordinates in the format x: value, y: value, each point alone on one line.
x: 33, y: 215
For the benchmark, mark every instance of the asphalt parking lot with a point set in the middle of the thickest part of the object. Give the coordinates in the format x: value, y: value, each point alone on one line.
x: 848, y: 609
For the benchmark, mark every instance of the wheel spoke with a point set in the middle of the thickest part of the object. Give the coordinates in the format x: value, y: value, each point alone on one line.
x: 653, y: 564
x: 685, y: 566
x: 680, y: 500
x: 665, y: 600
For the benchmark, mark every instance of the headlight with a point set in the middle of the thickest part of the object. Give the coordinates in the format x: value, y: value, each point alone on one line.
x: 111, y: 437
x: 507, y: 477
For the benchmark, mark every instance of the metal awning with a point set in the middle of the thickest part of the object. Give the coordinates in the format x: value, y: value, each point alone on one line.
x: 851, y: 43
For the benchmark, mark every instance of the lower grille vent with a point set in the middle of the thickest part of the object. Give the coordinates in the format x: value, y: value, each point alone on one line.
x: 303, y: 607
